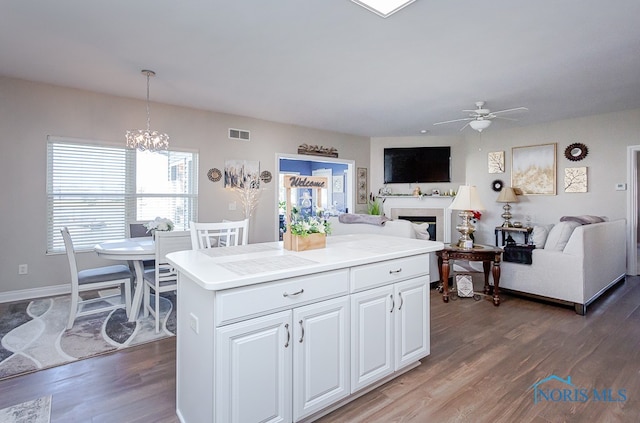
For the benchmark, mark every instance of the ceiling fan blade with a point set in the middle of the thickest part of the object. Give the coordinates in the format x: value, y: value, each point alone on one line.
x: 524, y: 109
x: 465, y: 125
x: 505, y: 118
x: 454, y: 120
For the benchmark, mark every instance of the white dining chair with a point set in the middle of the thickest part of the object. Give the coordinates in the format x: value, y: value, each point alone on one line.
x: 219, y: 234
x: 99, y: 278
x: 163, y: 278
x: 138, y: 230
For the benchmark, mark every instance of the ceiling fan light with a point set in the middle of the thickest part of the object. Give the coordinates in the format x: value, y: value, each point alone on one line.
x: 480, y: 124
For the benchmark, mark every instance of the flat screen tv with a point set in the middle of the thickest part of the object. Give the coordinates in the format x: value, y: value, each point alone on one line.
x: 417, y: 164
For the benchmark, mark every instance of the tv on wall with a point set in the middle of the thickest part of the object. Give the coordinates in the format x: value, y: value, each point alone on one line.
x: 417, y: 164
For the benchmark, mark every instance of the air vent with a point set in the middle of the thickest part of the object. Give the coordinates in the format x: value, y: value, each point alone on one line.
x: 239, y: 134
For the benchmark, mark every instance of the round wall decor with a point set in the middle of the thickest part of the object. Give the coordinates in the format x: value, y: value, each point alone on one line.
x: 214, y: 175
x: 497, y: 185
x: 576, y: 151
x: 265, y: 176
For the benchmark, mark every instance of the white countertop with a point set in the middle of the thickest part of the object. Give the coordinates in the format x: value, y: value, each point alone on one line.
x: 231, y: 267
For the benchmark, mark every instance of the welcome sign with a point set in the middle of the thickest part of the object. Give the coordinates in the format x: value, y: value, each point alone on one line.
x: 295, y: 181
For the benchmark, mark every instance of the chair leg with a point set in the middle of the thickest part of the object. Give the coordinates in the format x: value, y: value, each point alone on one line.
x: 147, y: 294
x: 73, y: 310
x: 157, y: 298
x: 126, y: 287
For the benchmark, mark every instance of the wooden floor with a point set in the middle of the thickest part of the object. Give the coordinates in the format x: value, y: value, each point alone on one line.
x: 483, y: 362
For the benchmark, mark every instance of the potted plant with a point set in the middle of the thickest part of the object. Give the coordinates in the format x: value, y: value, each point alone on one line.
x: 307, y: 231
x: 159, y: 224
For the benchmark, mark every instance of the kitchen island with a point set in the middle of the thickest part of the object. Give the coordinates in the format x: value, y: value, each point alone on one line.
x: 270, y: 335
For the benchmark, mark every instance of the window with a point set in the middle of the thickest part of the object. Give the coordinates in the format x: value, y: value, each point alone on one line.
x: 96, y: 190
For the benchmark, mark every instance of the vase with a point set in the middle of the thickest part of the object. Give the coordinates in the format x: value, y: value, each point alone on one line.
x: 308, y: 242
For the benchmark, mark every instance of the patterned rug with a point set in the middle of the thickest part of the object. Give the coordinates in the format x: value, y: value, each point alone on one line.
x: 35, y: 411
x: 33, y: 334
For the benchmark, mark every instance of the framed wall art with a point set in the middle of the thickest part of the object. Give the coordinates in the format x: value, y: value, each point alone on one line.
x: 575, y: 179
x: 239, y: 172
x: 533, y: 169
x: 361, y: 184
x: 495, y: 162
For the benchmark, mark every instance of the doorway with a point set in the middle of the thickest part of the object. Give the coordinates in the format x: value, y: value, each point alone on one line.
x: 633, y: 208
x: 339, y: 195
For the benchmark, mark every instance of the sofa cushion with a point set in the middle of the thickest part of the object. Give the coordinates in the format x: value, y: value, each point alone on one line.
x: 584, y: 219
x: 422, y: 230
x: 540, y: 234
x: 559, y: 235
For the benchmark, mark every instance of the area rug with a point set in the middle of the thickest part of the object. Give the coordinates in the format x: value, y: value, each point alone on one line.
x: 33, y: 333
x: 34, y: 411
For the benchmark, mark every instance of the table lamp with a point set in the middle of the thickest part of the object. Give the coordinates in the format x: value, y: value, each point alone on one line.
x: 507, y: 195
x: 466, y: 200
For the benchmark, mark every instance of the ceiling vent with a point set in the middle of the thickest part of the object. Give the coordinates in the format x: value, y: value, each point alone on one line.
x: 239, y: 134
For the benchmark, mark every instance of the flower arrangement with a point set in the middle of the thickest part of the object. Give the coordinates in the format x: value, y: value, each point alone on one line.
x: 159, y: 224
x: 304, y: 225
x: 476, y: 216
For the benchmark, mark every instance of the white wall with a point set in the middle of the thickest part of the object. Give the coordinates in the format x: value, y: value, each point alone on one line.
x: 31, y: 111
x: 607, y: 137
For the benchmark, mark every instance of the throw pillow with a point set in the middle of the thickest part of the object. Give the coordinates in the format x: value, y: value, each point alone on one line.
x: 559, y: 235
x: 540, y: 234
x: 421, y: 230
x: 583, y: 220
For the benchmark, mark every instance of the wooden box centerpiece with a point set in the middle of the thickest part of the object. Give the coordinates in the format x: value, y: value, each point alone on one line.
x: 315, y: 236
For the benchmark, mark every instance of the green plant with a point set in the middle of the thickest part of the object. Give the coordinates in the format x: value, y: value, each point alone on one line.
x: 374, y: 205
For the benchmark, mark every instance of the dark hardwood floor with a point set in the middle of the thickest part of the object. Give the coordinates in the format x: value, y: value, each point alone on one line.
x: 483, y: 363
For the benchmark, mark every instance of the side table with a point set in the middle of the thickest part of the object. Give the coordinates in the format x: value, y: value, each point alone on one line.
x: 508, y: 230
x: 484, y: 253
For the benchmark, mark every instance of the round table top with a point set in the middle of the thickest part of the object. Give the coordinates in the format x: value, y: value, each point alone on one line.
x: 477, y: 248
x: 127, y: 249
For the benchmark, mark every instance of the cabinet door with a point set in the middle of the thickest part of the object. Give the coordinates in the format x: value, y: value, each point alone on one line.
x: 412, y: 331
x: 321, y: 359
x: 372, y: 337
x: 253, y: 364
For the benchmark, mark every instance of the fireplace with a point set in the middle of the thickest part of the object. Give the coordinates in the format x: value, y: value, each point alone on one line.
x: 436, y: 217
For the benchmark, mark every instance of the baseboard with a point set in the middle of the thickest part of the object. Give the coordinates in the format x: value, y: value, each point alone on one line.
x: 27, y: 294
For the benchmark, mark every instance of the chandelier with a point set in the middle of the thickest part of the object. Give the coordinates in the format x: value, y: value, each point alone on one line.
x: 147, y: 139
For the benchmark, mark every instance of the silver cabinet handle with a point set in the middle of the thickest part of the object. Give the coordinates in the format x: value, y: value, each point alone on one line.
x: 301, y: 328
x: 393, y: 303
x: 391, y: 272
x: 401, y: 301
x: 286, y: 326
x: 285, y: 294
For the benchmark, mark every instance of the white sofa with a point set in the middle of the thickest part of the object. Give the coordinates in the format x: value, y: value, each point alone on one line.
x: 593, y: 260
x: 398, y: 227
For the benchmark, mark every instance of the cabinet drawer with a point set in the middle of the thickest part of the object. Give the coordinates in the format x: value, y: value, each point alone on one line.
x: 240, y: 303
x: 390, y: 271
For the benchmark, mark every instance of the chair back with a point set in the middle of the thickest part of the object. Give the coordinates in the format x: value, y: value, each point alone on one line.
x: 219, y: 234
x: 71, y: 256
x: 169, y: 242
x: 137, y: 230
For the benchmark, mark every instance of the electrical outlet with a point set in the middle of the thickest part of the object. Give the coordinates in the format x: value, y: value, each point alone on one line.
x: 23, y: 269
x: 193, y: 323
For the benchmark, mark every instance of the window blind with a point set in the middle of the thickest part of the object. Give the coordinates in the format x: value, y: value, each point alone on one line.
x: 96, y: 190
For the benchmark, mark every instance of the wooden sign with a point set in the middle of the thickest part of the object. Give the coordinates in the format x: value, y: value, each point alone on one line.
x: 296, y: 181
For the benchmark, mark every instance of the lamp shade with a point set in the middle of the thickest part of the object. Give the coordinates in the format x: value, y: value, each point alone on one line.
x: 467, y: 199
x: 507, y: 195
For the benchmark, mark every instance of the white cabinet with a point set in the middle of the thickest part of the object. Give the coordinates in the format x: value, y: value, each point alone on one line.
x: 321, y: 359
x: 291, y: 363
x: 390, y: 330
x: 253, y: 362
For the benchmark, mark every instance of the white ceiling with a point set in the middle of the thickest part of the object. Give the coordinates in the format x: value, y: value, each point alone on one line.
x: 332, y: 64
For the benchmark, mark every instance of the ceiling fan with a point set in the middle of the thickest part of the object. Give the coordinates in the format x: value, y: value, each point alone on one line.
x: 480, y: 117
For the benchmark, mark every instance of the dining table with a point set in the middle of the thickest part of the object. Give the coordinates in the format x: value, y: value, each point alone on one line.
x: 135, y: 251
